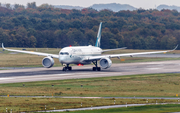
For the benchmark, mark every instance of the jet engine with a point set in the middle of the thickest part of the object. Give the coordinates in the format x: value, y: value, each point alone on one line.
x: 48, y: 62
x: 105, y: 63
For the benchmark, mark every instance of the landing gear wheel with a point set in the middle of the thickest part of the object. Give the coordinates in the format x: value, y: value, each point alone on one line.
x: 64, y: 68
x: 94, y: 68
x: 98, y: 69
x: 69, y: 68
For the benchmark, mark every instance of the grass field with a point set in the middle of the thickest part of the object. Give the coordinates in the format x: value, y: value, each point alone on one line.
x: 152, y: 85
x: 162, y: 85
x: 38, y: 104
x: 11, y: 59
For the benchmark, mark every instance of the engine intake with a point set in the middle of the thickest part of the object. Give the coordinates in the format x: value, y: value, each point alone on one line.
x: 105, y: 63
x: 48, y: 62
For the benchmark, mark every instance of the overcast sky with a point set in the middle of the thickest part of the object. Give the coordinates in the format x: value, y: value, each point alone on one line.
x: 146, y: 4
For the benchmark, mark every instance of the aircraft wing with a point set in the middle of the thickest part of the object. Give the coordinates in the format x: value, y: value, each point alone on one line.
x: 127, y: 54
x: 33, y: 53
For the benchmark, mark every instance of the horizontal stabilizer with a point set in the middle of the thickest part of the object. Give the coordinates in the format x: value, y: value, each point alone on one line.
x: 113, y: 49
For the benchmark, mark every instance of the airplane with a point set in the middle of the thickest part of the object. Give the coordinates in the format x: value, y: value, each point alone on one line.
x: 83, y: 55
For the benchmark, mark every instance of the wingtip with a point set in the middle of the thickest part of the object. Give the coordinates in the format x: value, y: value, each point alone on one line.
x: 2, y: 45
x: 176, y: 47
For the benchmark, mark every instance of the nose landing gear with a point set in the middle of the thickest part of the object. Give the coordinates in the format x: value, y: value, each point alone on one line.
x: 67, y: 68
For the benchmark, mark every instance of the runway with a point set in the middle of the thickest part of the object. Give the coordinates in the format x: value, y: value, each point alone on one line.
x: 96, y: 108
x: 55, y: 73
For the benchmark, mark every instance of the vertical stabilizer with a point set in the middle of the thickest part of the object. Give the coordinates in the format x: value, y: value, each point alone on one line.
x: 98, y: 36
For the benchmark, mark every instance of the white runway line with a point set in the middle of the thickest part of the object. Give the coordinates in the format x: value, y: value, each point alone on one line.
x: 5, y: 78
x: 153, y: 68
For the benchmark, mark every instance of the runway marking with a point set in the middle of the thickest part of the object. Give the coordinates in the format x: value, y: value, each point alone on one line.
x: 153, y: 68
x: 5, y: 78
x: 55, y: 75
x: 155, y: 63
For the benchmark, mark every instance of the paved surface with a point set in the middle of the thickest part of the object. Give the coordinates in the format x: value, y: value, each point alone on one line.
x: 103, y: 107
x: 93, y: 108
x: 55, y: 73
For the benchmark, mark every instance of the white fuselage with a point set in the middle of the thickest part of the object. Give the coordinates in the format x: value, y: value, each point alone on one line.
x: 74, y: 55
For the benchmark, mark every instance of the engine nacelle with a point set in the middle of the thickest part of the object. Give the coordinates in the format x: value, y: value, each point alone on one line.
x: 48, y: 62
x: 105, y: 63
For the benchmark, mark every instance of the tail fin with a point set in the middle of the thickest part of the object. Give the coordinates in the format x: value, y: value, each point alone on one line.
x: 98, y: 36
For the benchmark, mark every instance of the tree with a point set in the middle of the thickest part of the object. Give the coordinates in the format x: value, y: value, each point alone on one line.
x: 168, y: 42
x: 32, y: 5
x: 8, y: 6
x: 61, y: 40
x: 113, y: 43
x: 136, y: 42
x: 32, y: 41
x: 90, y: 37
x: 21, y: 36
x: 46, y: 6
x: 120, y: 38
x: 150, y: 42
x: 77, y: 36
x: 105, y: 40
x: 16, y: 6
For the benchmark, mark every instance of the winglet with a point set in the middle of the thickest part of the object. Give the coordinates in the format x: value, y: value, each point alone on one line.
x: 3, y: 46
x: 175, y: 47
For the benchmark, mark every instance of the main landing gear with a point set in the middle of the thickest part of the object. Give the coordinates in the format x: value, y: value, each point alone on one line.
x: 67, y: 68
x: 96, y: 68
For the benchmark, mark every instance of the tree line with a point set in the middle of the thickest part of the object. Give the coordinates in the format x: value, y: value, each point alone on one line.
x: 46, y: 26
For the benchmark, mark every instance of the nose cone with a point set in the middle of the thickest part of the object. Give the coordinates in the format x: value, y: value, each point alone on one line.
x: 62, y: 59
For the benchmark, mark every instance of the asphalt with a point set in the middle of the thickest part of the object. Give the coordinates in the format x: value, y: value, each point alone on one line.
x: 56, y: 73
x: 95, y: 108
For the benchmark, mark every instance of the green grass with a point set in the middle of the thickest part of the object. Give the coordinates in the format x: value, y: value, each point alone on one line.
x: 152, y: 85
x: 36, y: 104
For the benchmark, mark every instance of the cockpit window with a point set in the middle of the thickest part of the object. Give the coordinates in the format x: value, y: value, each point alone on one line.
x: 64, y: 53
